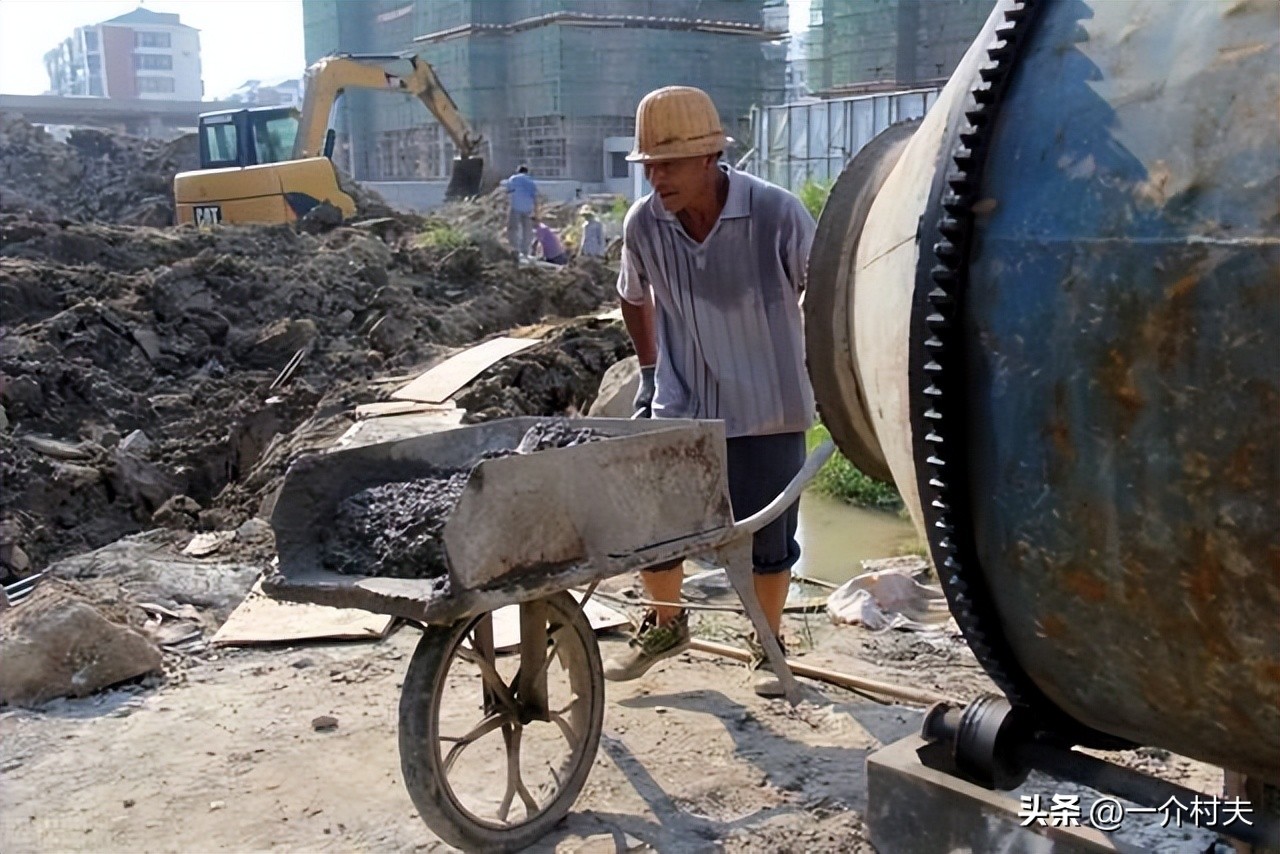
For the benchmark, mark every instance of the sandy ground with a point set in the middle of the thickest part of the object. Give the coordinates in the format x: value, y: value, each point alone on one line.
x: 224, y: 757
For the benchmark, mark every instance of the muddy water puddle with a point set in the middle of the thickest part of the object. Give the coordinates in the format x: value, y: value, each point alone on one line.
x: 834, y: 537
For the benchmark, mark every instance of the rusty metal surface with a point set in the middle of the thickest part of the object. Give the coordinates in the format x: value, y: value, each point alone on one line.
x: 1123, y: 322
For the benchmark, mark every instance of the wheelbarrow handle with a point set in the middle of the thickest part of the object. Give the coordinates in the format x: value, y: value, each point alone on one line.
x: 788, y: 496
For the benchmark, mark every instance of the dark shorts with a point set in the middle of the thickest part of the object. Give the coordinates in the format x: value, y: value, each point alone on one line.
x: 760, y: 467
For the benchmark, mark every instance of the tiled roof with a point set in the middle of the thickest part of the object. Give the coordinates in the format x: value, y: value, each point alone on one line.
x: 146, y: 17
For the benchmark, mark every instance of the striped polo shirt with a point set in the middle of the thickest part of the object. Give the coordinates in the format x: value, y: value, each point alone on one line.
x: 729, y: 328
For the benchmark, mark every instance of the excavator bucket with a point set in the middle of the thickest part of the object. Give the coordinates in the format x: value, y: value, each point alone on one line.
x: 464, y: 181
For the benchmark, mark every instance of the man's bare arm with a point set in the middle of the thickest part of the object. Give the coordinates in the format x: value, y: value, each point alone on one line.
x: 640, y: 326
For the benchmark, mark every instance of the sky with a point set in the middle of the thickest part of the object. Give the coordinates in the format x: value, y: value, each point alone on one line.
x: 798, y: 11
x: 239, y: 39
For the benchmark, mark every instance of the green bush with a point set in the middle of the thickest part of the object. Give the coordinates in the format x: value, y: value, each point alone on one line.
x: 840, y: 480
x: 617, y: 212
x: 814, y: 195
x: 442, y: 235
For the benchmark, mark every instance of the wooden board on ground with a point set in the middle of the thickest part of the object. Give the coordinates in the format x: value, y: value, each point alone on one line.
x: 260, y: 619
x: 386, y: 428
x: 445, y: 380
x: 384, y: 408
x: 506, y: 621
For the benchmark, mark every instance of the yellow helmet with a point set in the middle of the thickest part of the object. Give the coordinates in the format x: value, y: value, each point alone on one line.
x: 674, y: 122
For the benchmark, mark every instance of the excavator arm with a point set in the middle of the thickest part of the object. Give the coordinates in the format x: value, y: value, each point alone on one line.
x: 329, y: 77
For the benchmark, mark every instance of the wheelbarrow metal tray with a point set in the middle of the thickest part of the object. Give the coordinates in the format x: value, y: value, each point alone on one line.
x: 525, y: 525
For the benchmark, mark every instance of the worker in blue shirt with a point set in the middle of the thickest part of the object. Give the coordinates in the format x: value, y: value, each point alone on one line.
x: 522, y: 193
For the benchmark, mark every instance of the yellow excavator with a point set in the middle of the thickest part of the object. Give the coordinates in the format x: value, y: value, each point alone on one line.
x: 272, y: 164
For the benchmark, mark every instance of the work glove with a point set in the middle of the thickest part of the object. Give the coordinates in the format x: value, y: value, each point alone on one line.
x: 644, y: 395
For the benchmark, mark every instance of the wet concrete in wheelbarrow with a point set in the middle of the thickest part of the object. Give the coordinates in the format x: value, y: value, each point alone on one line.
x: 396, y: 529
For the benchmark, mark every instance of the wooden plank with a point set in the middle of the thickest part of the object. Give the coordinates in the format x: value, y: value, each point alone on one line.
x: 905, y: 693
x: 401, y: 407
x: 387, y: 428
x: 445, y: 380
x: 261, y: 619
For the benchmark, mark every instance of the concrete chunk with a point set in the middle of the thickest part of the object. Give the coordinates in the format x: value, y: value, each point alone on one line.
x: 56, y: 644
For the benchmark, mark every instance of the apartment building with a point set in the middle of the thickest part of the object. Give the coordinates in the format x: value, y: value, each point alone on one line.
x: 139, y: 55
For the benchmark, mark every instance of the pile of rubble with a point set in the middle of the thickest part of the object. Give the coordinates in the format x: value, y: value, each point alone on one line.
x: 155, y: 382
x: 141, y: 369
x: 95, y: 175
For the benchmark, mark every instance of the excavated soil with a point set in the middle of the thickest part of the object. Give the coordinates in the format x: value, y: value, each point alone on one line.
x: 562, y: 374
x: 182, y: 335
x: 396, y: 529
x: 94, y: 175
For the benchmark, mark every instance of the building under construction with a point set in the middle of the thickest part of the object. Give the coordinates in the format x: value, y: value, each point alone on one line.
x: 550, y: 83
x: 857, y: 46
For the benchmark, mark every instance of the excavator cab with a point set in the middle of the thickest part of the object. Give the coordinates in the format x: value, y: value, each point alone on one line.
x: 249, y: 171
x: 247, y: 137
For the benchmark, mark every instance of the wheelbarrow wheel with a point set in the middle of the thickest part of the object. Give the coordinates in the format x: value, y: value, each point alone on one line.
x: 526, y: 736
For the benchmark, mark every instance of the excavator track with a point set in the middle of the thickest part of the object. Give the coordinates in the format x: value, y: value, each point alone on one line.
x: 939, y: 417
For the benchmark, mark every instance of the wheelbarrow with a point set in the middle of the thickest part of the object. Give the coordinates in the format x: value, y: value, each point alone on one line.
x: 525, y: 531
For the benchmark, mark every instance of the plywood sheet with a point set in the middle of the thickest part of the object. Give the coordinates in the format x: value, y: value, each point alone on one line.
x: 384, y: 408
x: 260, y: 619
x: 387, y: 428
x: 506, y: 621
x: 445, y: 380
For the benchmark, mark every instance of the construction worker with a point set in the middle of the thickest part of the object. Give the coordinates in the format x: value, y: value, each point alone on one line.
x: 711, y: 278
x: 522, y: 196
x: 550, y: 245
x: 592, y: 233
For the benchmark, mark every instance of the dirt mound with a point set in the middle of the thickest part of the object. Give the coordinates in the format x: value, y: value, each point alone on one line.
x: 94, y: 175
x: 160, y: 359
x: 562, y: 374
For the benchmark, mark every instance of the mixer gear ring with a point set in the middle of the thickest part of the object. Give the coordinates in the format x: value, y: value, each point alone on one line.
x: 938, y: 416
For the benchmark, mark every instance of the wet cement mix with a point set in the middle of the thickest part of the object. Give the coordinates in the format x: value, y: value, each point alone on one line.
x: 143, y: 377
x: 396, y: 529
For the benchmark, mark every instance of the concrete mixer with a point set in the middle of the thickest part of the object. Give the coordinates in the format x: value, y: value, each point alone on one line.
x: 1050, y: 313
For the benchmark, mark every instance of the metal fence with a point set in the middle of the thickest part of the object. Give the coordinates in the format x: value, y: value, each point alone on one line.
x: 812, y: 141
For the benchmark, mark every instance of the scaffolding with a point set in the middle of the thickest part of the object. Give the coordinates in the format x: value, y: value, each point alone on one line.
x: 546, y: 81
x: 865, y: 45
x: 812, y: 141
x: 414, y: 154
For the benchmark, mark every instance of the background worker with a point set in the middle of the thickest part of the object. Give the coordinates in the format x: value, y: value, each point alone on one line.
x: 549, y: 242
x: 712, y: 274
x: 592, y: 233
x: 522, y: 198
